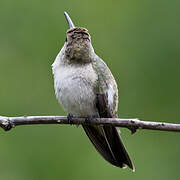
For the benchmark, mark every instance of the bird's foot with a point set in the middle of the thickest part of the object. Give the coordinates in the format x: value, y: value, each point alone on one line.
x: 89, y: 119
x: 70, y: 118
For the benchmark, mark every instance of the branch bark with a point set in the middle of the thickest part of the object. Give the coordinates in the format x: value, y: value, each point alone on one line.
x: 132, y: 124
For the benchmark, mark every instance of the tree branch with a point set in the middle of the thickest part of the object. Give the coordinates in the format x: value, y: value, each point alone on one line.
x: 133, y: 124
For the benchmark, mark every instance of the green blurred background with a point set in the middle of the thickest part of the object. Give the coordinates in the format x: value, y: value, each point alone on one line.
x: 140, y: 42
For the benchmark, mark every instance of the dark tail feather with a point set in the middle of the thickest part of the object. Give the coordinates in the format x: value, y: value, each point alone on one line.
x: 108, y: 143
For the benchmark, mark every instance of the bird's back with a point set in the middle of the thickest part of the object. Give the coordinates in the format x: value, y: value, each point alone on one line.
x: 106, y: 139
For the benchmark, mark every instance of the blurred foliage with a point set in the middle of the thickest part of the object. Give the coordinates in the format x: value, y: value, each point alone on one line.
x: 139, y: 40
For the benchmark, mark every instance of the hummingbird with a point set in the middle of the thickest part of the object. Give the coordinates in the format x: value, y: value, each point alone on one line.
x: 85, y: 87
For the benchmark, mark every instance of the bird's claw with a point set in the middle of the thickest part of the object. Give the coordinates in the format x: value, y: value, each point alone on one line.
x: 70, y: 118
x: 89, y: 119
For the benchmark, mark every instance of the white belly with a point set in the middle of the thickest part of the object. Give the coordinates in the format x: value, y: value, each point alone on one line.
x: 74, y: 88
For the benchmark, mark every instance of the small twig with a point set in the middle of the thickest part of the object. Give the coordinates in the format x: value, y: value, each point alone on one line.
x: 133, y: 124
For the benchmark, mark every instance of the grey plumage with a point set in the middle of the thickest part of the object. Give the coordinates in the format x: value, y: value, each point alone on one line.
x: 85, y: 87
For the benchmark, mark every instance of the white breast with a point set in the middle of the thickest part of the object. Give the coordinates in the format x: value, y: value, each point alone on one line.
x: 74, y: 88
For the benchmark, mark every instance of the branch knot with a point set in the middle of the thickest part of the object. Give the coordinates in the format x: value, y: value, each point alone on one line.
x: 5, y: 123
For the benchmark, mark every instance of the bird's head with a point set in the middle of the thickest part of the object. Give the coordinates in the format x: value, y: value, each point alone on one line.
x: 78, y: 43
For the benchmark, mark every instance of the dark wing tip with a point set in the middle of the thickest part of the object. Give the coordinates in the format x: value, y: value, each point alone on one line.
x: 117, y: 147
x: 108, y: 143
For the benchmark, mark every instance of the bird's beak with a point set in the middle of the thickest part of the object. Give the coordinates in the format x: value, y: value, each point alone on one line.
x: 70, y: 23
